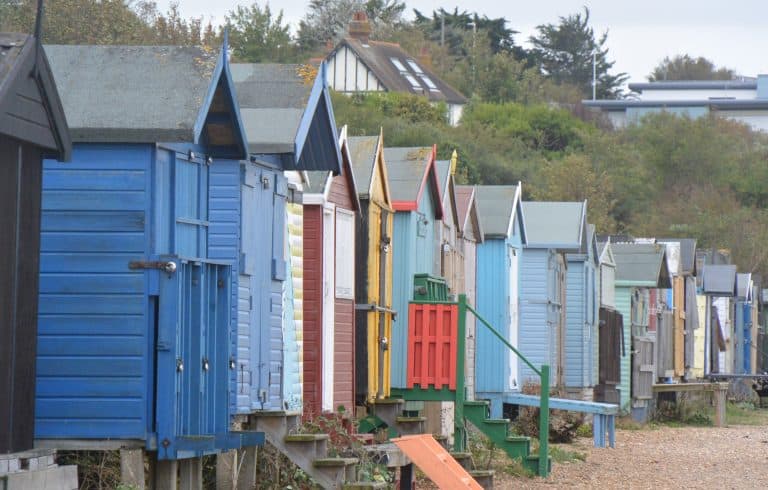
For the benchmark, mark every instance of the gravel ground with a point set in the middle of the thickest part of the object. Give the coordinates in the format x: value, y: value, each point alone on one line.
x: 663, y: 457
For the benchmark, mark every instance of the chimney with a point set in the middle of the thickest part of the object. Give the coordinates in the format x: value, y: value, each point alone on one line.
x: 360, y: 27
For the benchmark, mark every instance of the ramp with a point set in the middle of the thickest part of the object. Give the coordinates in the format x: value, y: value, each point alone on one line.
x: 435, y: 462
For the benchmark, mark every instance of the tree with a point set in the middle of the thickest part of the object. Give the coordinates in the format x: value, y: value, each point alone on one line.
x: 564, y: 53
x: 327, y: 20
x: 685, y: 67
x: 257, y: 36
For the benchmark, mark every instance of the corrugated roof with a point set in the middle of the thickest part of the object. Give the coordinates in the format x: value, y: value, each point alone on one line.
x: 719, y: 280
x: 132, y: 93
x: 362, y: 152
x: 555, y: 224
x: 378, y: 56
x: 642, y: 264
x: 406, y: 168
x: 496, y: 207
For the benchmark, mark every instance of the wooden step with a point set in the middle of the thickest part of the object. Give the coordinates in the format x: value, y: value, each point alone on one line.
x: 410, y: 420
x: 334, y: 462
x: 464, y: 459
x: 364, y: 485
x: 483, y: 477
x: 306, y: 437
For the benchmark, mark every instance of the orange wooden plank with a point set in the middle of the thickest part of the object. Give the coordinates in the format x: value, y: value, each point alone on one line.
x: 436, y: 463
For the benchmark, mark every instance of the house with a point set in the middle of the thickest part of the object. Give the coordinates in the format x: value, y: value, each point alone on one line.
x: 743, y: 100
x: 640, y: 267
x: 498, y: 288
x: 470, y: 235
x: 374, y: 312
x: 416, y: 199
x: 449, y: 258
x: 611, y: 346
x: 359, y: 64
x: 554, y: 230
x: 134, y: 318
x: 331, y: 207
x: 289, y: 127
x: 32, y: 127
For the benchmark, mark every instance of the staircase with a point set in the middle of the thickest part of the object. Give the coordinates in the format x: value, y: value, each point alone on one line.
x: 483, y: 477
x: 497, y: 430
x: 308, y: 451
x: 390, y: 411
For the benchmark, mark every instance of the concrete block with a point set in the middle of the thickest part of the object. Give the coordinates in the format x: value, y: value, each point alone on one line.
x: 52, y: 478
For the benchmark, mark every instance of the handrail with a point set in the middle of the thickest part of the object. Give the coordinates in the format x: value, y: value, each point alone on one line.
x: 503, y: 340
x: 544, y: 382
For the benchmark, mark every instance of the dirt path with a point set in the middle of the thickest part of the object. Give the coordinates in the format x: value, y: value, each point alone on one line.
x: 664, y: 457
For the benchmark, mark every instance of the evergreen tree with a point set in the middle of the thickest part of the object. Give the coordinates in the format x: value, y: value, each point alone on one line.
x: 685, y: 67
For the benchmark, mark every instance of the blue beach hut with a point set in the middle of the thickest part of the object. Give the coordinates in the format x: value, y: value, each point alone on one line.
x: 134, y: 313
x: 498, y: 286
x: 554, y: 230
x: 289, y: 126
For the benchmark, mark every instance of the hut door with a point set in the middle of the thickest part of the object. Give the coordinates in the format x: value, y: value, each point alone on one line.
x: 329, y: 295
x: 192, y: 359
x: 514, y: 326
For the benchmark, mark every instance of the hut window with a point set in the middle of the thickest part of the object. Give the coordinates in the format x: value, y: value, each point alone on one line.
x: 345, y: 254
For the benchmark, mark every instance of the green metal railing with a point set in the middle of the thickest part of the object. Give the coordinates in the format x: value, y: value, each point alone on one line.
x: 543, y: 373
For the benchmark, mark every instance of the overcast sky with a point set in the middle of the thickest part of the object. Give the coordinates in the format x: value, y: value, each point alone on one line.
x: 641, y: 33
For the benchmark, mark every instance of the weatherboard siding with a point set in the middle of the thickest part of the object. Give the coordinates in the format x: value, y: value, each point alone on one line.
x: 536, y: 295
x: 575, y: 326
x: 623, y: 299
x: 313, y: 308
x: 94, y: 335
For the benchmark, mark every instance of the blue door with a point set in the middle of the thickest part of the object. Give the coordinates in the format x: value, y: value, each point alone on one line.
x: 192, y: 361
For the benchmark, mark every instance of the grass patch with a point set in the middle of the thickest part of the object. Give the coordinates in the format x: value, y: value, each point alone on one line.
x: 562, y: 455
x: 745, y: 414
x: 584, y: 430
x: 627, y: 423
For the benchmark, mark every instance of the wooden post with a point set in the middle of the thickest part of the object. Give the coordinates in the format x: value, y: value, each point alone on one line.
x: 226, y: 470
x: 247, y: 464
x: 544, y: 423
x: 459, y: 432
x: 166, y: 474
x: 132, y: 468
x: 719, y: 395
x: 191, y: 474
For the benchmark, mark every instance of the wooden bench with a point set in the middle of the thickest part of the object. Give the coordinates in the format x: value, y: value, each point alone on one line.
x: 604, y: 414
x: 718, y: 391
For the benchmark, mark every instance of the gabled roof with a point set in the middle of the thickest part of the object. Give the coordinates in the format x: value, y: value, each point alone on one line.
x: 411, y: 171
x: 744, y: 286
x: 410, y: 76
x: 560, y: 225
x: 317, y: 184
x: 687, y: 254
x: 285, y: 114
x: 447, y: 190
x: 719, y: 280
x: 367, y: 158
x: 641, y: 264
x: 25, y: 73
x: 592, y: 242
x: 498, y: 207
x: 466, y: 210
x: 605, y: 253
x: 149, y: 94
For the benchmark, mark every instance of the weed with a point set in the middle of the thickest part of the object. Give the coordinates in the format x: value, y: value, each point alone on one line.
x: 584, y: 431
x: 562, y: 455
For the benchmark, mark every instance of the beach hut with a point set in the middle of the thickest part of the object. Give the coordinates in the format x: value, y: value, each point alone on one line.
x: 554, y: 229
x: 581, y: 319
x: 610, y: 329
x: 373, y: 269
x: 449, y: 257
x: 331, y: 207
x: 640, y: 267
x: 257, y: 226
x: 134, y: 337
x: 470, y: 234
x: 719, y: 288
x: 742, y: 325
x: 498, y: 286
x: 32, y: 127
x: 416, y: 200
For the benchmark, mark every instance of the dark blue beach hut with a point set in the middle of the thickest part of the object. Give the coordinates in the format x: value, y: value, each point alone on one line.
x: 134, y: 337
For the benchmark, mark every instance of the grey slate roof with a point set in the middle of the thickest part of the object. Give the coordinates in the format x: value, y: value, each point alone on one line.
x: 719, y: 280
x: 362, y: 152
x: 315, y: 183
x: 555, y: 224
x: 132, y: 93
x: 406, y: 168
x: 496, y: 207
x: 643, y: 264
x: 377, y: 56
x: 272, y: 100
